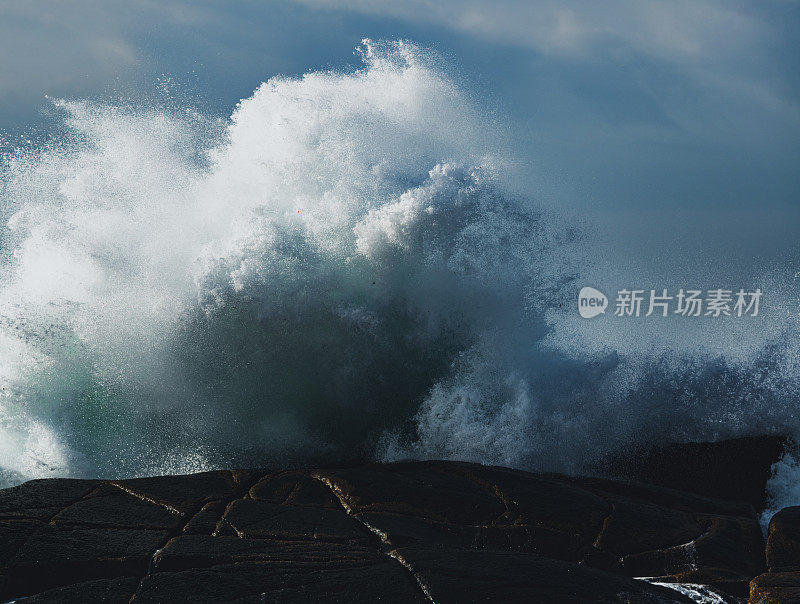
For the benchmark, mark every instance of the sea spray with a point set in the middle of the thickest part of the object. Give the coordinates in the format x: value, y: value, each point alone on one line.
x: 291, y: 290
x: 348, y: 268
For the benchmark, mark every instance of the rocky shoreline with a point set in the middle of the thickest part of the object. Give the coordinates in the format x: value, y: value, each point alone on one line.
x: 408, y: 532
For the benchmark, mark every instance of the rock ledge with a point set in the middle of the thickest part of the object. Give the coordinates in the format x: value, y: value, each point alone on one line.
x: 410, y: 532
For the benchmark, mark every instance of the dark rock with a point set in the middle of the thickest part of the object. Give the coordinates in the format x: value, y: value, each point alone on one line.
x: 726, y: 556
x: 107, y: 591
x: 736, y: 469
x: 294, y: 488
x: 109, y: 506
x: 720, y: 581
x: 13, y: 533
x: 261, y: 519
x: 495, y: 576
x: 42, y: 499
x: 400, y: 530
x: 782, y: 582
x: 635, y: 527
x: 396, y: 532
x: 631, y: 528
x: 54, y: 556
x: 376, y: 578
x: 667, y: 497
x: 469, y: 495
x: 776, y: 588
x: 205, y: 521
x: 201, y: 551
x: 423, y: 489
x: 726, y: 543
x: 186, y: 493
x: 783, y: 540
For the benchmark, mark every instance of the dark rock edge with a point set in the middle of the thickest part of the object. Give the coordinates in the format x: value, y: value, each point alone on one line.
x: 412, y: 531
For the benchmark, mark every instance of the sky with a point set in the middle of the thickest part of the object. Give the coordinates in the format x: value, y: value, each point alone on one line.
x: 671, y: 128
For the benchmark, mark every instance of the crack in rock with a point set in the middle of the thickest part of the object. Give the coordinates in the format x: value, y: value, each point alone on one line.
x: 147, y: 499
x: 604, y: 526
x: 383, y: 537
x: 405, y: 564
x: 190, y: 515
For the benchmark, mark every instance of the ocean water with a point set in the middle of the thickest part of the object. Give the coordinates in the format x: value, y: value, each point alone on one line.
x: 347, y: 267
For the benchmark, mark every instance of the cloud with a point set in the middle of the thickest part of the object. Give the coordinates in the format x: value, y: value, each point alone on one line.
x: 718, y: 45
x: 77, y: 49
x: 617, y: 69
x: 683, y: 28
x: 49, y: 46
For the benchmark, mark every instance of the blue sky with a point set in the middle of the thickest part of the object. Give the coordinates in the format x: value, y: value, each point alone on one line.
x: 674, y: 127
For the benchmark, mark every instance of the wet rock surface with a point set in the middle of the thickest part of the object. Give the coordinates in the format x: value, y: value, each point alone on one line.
x: 409, y: 532
x: 737, y: 468
x: 782, y: 582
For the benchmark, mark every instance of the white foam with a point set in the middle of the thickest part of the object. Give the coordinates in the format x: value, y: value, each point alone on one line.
x: 347, y: 260
x: 783, y: 487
